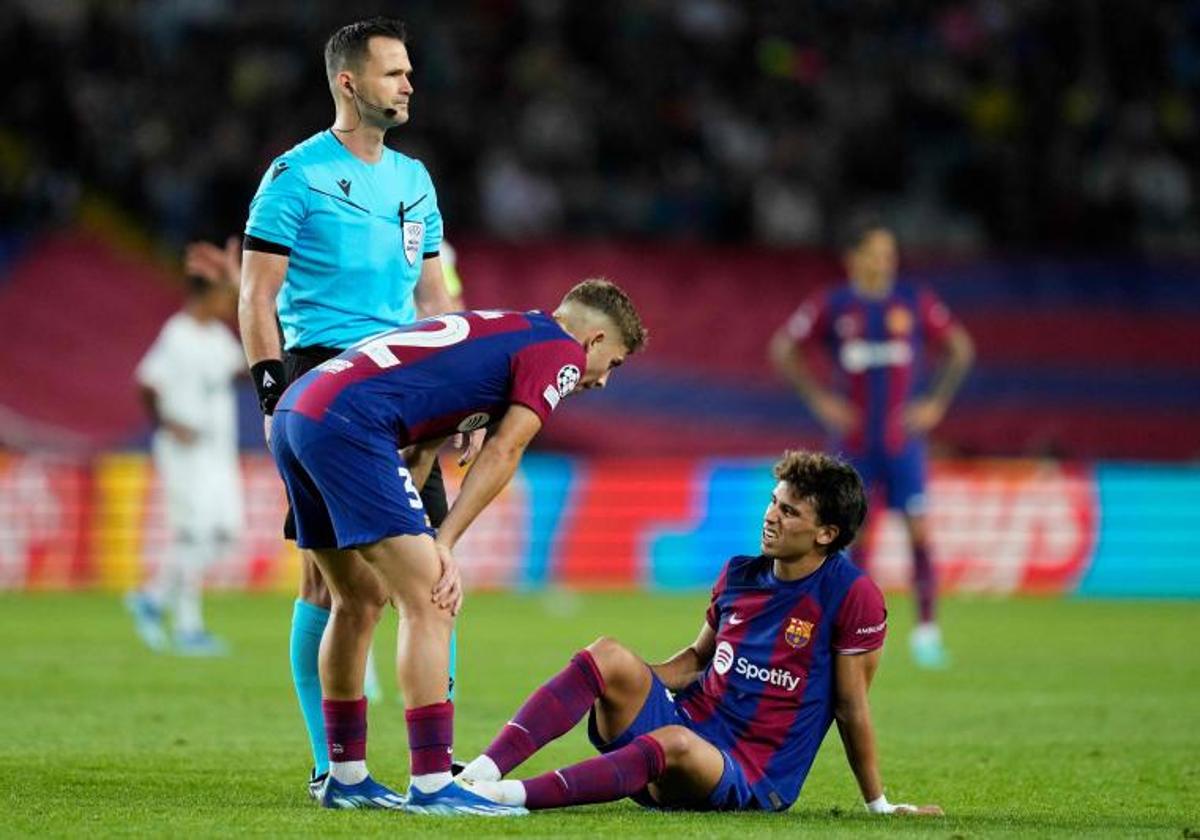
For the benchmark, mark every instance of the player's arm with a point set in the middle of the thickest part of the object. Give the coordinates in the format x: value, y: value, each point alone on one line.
x: 262, y: 277
x: 959, y: 355
x: 491, y: 471
x: 852, y: 678
x: 181, y: 432
x: 787, y: 357
x: 431, y: 295
x: 685, y: 667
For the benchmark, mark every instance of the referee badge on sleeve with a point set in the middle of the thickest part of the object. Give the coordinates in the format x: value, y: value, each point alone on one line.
x: 414, y: 240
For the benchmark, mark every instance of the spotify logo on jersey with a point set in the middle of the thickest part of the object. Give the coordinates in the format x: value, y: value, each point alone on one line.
x: 723, y: 658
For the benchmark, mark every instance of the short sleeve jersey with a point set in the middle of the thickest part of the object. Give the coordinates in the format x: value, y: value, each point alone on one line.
x: 355, y: 234
x: 191, y: 367
x: 767, y: 696
x: 452, y: 373
x: 878, y: 347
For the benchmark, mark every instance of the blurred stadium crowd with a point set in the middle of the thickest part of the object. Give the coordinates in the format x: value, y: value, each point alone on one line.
x: 1030, y: 124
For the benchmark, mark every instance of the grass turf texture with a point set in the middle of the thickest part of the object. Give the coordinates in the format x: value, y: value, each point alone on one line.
x: 1058, y: 717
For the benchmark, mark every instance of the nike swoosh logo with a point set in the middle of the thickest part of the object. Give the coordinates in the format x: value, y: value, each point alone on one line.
x: 734, y: 619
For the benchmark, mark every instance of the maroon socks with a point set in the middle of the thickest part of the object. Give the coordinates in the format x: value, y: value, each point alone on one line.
x: 925, y: 583
x: 605, y: 778
x: 346, y: 729
x: 550, y: 712
x: 430, y: 737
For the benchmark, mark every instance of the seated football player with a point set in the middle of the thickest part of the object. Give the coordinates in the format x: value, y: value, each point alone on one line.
x: 335, y: 436
x: 789, y: 644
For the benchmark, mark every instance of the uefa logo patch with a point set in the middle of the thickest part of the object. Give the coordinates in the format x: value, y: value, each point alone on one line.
x: 414, y: 239
x: 568, y: 378
x: 723, y: 658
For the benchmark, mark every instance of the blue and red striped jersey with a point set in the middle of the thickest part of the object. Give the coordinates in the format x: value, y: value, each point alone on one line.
x: 452, y: 373
x: 878, y: 347
x: 768, y: 693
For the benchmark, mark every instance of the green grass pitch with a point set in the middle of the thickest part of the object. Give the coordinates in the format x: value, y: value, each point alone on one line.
x: 1059, y: 717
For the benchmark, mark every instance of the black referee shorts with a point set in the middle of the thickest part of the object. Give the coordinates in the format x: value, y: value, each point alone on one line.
x: 300, y: 361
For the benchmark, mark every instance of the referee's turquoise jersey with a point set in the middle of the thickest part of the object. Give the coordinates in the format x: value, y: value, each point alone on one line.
x: 355, y: 234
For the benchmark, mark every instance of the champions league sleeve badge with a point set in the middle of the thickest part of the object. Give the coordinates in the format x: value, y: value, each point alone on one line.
x: 414, y: 240
x: 568, y: 378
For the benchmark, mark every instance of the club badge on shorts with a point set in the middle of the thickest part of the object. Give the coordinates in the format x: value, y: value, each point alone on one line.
x: 414, y: 239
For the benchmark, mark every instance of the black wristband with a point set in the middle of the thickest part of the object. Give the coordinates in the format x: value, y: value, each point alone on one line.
x: 268, y: 382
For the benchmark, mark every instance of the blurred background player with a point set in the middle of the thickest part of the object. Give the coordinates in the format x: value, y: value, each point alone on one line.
x: 186, y: 381
x: 341, y: 243
x: 358, y: 509
x: 878, y: 332
x: 790, y: 642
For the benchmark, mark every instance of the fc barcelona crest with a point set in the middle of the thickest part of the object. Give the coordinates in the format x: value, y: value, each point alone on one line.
x: 899, y: 320
x: 798, y: 632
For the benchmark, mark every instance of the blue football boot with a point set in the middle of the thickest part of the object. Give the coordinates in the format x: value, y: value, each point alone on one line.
x: 316, y: 784
x: 147, y: 620
x: 454, y: 800
x: 366, y: 794
x: 201, y: 643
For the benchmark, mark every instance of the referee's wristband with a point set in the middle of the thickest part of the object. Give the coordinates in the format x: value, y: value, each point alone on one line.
x: 268, y: 382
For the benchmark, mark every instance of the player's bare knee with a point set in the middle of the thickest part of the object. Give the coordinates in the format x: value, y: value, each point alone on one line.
x: 421, y: 609
x: 363, y: 613
x: 612, y: 658
x: 676, y: 742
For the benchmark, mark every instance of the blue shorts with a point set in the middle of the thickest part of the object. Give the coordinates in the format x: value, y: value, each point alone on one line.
x: 732, y: 793
x: 900, y: 476
x: 345, y: 491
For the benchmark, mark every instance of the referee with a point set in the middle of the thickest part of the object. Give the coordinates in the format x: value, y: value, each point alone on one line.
x: 342, y: 243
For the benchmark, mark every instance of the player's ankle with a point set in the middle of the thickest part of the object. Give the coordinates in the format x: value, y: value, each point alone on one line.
x: 348, y: 772
x: 431, y: 782
x: 482, y: 769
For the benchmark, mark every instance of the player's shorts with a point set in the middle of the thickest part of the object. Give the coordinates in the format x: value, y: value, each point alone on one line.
x: 901, y: 476
x: 300, y: 361
x: 201, y: 488
x: 345, y: 491
x: 732, y: 793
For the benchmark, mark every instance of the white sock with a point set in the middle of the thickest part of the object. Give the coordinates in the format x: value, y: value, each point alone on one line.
x: 348, y: 772
x: 927, y: 631
x: 482, y: 769
x: 506, y: 792
x: 431, y: 782
x: 191, y: 559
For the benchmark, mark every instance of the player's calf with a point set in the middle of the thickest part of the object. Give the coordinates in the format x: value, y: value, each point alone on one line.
x: 550, y: 712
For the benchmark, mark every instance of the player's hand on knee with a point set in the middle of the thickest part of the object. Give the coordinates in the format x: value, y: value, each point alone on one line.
x: 447, y: 592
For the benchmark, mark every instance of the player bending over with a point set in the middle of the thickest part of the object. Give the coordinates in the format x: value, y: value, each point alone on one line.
x: 334, y: 438
x: 789, y: 644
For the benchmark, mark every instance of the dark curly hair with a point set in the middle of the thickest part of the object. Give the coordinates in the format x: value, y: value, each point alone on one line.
x: 831, y: 486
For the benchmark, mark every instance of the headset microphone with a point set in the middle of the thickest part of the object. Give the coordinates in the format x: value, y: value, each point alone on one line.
x: 390, y: 113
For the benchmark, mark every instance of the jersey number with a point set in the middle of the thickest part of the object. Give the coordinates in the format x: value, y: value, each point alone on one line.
x: 454, y: 328
x: 410, y: 489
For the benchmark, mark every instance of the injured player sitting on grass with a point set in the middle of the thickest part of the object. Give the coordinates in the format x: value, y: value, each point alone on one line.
x: 790, y: 642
